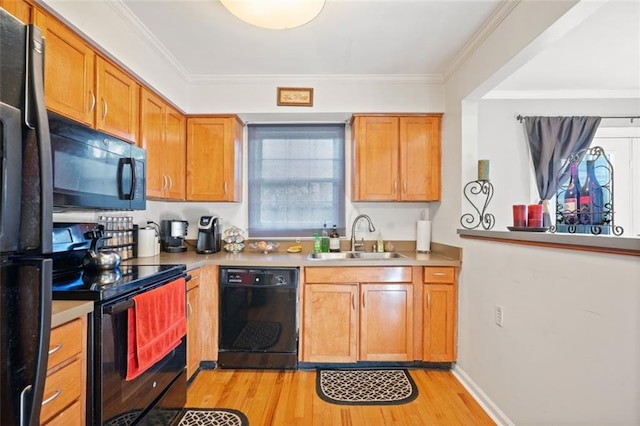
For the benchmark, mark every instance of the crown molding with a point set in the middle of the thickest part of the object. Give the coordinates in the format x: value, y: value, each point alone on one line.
x: 563, y: 94
x: 316, y: 78
x: 132, y: 20
x: 480, y: 36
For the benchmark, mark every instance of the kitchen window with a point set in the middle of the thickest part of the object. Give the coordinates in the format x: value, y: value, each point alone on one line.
x: 296, y: 179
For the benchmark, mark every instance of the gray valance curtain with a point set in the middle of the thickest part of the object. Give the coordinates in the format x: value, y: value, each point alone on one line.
x: 552, y: 139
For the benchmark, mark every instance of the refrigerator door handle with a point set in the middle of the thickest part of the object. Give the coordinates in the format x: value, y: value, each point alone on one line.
x: 23, y: 405
x: 36, y: 115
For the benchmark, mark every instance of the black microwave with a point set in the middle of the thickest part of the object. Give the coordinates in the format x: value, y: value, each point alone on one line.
x: 93, y: 170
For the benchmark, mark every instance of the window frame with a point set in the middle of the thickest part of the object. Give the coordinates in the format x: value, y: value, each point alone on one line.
x: 257, y: 134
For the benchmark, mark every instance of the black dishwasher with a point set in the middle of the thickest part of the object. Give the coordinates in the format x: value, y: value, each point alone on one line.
x: 258, y: 318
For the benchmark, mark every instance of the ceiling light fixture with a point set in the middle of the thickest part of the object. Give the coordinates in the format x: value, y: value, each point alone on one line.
x: 275, y: 14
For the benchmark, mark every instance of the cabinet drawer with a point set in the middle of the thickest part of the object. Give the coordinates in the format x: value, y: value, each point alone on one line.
x: 439, y: 274
x: 65, y: 342
x: 72, y: 416
x: 61, y: 389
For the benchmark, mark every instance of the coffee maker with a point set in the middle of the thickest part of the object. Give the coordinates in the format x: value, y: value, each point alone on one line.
x: 172, y: 235
x: 209, y: 235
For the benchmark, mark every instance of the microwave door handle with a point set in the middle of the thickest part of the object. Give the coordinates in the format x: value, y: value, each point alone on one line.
x: 121, y: 194
x: 132, y: 193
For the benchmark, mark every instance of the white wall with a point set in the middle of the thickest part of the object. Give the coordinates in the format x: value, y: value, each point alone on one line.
x: 501, y: 139
x: 569, y: 351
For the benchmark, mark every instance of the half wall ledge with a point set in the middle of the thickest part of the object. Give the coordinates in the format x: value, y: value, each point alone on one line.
x: 629, y: 246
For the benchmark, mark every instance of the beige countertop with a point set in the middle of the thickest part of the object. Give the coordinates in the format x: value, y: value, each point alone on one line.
x: 66, y: 310
x: 445, y: 256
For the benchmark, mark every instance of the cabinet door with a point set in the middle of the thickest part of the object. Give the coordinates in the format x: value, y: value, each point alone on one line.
x: 194, y: 346
x: 209, y: 312
x: 375, y: 146
x: 420, y: 158
x: 330, y: 320
x: 213, y: 159
x: 439, y: 322
x: 69, y: 71
x: 118, y: 101
x: 18, y: 8
x: 152, y: 139
x: 175, y: 153
x: 386, y: 322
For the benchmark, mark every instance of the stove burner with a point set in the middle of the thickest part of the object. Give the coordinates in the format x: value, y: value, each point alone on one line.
x: 106, y: 285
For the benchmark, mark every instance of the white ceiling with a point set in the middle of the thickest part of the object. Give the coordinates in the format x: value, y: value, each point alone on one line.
x: 600, y: 57
x: 390, y: 38
x: 371, y: 37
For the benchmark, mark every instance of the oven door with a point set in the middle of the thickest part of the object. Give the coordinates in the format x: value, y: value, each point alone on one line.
x: 117, y: 401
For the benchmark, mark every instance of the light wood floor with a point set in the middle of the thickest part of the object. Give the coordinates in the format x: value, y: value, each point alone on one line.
x: 281, y: 398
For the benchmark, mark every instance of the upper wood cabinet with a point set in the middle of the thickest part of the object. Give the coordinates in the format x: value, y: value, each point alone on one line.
x: 69, y: 76
x: 163, y: 134
x: 18, y: 8
x: 214, y: 158
x: 396, y: 158
x: 85, y: 87
x: 118, y: 96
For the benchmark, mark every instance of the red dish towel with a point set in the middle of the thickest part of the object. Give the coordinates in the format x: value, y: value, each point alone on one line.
x: 156, y: 324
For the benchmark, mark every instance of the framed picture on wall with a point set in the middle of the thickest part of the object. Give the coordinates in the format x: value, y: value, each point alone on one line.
x: 295, y: 96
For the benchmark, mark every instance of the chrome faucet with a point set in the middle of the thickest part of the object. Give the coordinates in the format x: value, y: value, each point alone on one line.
x: 354, y: 245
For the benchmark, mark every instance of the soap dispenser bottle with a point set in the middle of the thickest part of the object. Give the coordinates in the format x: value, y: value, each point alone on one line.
x: 380, y: 244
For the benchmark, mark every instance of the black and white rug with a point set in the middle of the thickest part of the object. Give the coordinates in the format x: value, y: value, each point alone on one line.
x: 213, y: 417
x: 183, y: 417
x: 366, y: 387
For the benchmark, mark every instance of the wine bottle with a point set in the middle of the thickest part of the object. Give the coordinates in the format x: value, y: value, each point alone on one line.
x: 584, y: 201
x: 572, y: 197
x: 596, y: 199
x: 324, y: 240
x: 334, y: 240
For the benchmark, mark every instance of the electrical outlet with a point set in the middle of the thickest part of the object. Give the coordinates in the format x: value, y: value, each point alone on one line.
x: 499, y: 316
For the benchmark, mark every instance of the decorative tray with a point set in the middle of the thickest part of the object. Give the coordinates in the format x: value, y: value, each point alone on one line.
x: 527, y: 229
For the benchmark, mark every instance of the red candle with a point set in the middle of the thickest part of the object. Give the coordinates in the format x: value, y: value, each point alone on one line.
x: 519, y: 215
x: 534, y: 216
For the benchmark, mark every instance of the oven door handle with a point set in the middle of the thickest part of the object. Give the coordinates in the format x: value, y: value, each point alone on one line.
x: 119, y: 307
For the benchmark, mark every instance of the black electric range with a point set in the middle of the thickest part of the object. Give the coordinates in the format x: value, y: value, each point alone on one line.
x: 71, y: 242
x: 111, y: 284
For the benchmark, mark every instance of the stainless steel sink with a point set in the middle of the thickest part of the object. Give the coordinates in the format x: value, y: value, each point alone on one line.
x: 331, y: 256
x: 375, y: 255
x: 355, y: 255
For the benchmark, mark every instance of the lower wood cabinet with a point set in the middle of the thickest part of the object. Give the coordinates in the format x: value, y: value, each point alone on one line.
x: 64, y: 398
x: 194, y: 322
x: 439, y: 314
x: 357, y: 314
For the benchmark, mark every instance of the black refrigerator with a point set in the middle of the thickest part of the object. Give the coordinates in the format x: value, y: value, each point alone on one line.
x: 25, y: 223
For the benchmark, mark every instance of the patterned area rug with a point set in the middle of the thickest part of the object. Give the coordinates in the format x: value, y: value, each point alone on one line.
x: 366, y: 387
x: 215, y: 417
x: 258, y: 335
